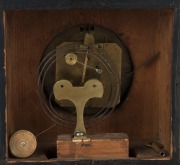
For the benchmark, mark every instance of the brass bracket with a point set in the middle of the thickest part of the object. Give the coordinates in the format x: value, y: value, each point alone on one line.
x: 64, y: 90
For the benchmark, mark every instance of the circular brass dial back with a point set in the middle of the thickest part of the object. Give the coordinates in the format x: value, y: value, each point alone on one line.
x: 78, y: 56
x: 22, y: 144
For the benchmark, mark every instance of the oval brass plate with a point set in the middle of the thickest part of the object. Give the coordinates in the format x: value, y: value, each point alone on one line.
x: 22, y: 144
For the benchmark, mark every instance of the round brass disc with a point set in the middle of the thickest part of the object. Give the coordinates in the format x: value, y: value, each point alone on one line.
x: 71, y: 58
x: 22, y: 144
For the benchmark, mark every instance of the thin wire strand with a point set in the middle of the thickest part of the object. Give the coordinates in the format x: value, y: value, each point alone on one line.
x: 45, y: 130
x: 146, y: 62
x: 49, y: 63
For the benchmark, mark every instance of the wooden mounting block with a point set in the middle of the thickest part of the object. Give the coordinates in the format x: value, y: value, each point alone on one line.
x: 101, y: 146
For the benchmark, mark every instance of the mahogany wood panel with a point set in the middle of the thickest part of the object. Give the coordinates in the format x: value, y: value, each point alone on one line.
x: 100, y: 146
x: 146, y: 113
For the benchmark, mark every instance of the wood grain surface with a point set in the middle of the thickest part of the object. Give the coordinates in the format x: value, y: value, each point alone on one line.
x: 100, y: 146
x: 146, y: 113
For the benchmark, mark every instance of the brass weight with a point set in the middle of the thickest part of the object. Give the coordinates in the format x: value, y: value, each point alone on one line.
x: 22, y: 144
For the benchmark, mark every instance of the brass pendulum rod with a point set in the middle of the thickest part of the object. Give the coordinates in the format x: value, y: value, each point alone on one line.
x: 85, y: 67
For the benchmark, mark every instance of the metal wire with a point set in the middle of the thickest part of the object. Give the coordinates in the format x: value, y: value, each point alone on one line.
x: 60, y: 116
